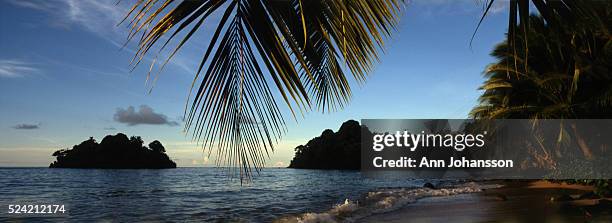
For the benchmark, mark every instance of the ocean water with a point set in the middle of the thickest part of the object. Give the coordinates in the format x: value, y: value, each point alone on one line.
x: 200, y: 194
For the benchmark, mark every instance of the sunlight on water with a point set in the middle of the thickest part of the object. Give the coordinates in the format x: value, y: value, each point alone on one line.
x: 185, y: 194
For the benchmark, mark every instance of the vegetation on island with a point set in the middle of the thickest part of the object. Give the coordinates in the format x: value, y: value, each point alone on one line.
x: 114, y: 152
x: 331, y: 150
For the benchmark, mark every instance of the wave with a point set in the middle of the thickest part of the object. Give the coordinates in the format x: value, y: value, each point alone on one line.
x: 382, y: 201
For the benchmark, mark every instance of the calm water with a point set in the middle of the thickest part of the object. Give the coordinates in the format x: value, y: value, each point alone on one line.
x: 182, y: 194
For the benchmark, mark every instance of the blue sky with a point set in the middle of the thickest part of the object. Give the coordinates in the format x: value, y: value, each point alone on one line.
x: 64, y: 77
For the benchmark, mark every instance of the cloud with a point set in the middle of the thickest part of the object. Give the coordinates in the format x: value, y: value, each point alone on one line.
x: 101, y: 18
x: 39, y: 5
x: 144, y: 115
x: 110, y: 128
x: 204, y: 161
x: 13, y: 68
x: 280, y: 164
x: 498, y: 6
x: 457, y: 7
x: 27, y: 126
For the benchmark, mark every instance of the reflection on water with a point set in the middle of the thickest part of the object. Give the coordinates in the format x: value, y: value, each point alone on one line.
x: 183, y: 194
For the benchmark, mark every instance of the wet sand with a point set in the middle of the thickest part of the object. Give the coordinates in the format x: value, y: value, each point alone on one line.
x: 538, y: 201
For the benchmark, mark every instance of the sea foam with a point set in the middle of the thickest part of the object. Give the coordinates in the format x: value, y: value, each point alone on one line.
x: 382, y: 201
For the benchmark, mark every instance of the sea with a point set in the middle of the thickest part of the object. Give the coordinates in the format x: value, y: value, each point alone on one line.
x: 208, y: 195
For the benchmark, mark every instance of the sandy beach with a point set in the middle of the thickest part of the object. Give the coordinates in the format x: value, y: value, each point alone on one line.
x: 538, y: 201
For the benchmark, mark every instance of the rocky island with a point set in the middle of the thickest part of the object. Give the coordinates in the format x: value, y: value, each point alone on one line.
x: 114, y: 152
x: 332, y: 150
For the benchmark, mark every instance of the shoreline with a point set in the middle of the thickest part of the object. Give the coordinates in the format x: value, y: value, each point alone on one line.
x: 481, y: 201
x: 515, y: 201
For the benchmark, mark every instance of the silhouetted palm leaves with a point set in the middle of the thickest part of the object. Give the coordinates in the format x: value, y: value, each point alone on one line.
x: 560, y: 79
x: 302, y: 48
x: 556, y: 13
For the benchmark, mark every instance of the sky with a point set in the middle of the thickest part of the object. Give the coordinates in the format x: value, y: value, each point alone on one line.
x: 64, y: 76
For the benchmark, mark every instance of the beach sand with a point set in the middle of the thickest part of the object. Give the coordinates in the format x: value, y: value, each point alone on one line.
x: 538, y: 201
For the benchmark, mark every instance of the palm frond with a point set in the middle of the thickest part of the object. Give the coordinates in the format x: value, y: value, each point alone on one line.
x: 304, y: 49
x: 557, y: 14
x: 564, y: 79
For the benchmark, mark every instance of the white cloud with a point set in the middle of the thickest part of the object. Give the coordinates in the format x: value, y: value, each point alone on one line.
x: 204, y: 161
x: 13, y: 68
x: 99, y: 17
x: 280, y: 164
x: 38, y: 5
x: 457, y: 7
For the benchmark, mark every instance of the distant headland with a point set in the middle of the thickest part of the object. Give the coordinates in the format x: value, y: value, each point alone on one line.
x: 114, y: 152
x: 332, y: 150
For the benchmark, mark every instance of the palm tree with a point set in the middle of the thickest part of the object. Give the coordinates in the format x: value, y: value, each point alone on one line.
x: 559, y: 81
x: 556, y: 13
x: 303, y: 48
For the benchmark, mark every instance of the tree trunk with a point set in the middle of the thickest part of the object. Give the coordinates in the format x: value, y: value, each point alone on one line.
x: 586, y: 151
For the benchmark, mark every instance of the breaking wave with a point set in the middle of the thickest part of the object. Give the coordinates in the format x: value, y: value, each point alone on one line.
x: 381, y: 201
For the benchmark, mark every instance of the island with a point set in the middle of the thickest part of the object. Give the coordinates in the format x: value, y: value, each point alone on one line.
x: 332, y: 150
x: 114, y: 152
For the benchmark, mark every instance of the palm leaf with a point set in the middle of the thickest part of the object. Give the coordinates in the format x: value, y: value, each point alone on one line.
x: 556, y: 14
x: 303, y: 49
